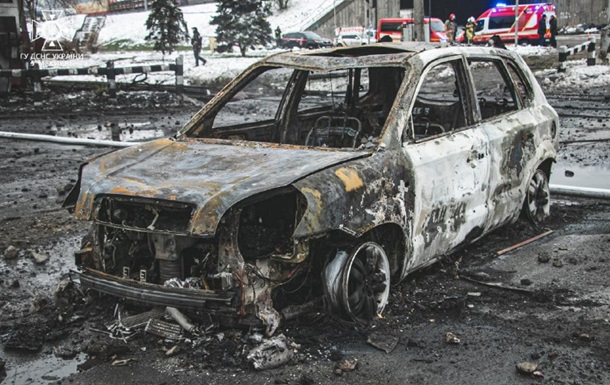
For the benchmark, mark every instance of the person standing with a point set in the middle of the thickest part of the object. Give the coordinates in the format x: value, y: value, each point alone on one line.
x: 278, y: 36
x: 196, y: 43
x: 542, y: 30
x: 553, y: 28
x: 450, y: 28
x: 470, y: 26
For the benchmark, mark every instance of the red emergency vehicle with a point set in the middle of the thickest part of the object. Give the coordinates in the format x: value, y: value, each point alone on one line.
x: 500, y: 21
x: 392, y: 27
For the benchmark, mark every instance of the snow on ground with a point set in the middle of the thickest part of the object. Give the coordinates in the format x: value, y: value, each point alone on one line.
x: 129, y: 29
x: 577, y: 76
x: 222, y: 67
x: 219, y: 67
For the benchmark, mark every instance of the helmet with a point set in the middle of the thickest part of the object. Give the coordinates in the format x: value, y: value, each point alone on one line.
x: 452, y: 16
x: 471, y: 19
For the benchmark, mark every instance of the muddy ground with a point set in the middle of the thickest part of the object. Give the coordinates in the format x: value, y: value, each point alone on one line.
x: 546, y: 303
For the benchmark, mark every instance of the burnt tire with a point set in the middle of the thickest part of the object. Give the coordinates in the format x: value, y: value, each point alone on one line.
x: 537, y: 203
x: 358, y: 283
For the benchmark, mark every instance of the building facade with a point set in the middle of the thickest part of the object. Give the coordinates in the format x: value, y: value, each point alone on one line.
x: 355, y: 13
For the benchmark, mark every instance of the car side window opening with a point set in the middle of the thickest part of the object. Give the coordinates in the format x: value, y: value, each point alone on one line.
x: 438, y: 106
x: 495, y: 92
x: 337, y: 109
x: 522, y: 87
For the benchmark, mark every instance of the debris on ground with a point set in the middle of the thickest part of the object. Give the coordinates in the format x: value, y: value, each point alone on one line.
x: 174, y: 350
x: 124, y: 362
x: 527, y: 367
x: 383, y: 341
x: 11, y: 252
x: 557, y: 262
x: 39, y: 258
x: 346, y: 365
x: 181, y: 319
x: 451, y: 338
x: 544, y: 257
x: 272, y: 353
x: 166, y: 330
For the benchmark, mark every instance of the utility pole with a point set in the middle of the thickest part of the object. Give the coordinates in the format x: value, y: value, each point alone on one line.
x: 335, y: 14
x: 516, y: 23
x: 430, y: 18
x: 418, y: 18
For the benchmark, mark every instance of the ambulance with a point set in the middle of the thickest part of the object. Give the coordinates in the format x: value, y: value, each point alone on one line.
x: 500, y: 21
x: 392, y: 28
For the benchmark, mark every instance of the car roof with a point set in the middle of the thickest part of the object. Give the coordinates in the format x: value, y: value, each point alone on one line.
x: 379, y: 54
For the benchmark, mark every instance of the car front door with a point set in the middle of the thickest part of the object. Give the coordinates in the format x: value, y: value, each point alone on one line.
x: 450, y: 162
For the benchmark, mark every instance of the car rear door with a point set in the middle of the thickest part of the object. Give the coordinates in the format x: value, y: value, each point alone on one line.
x: 511, y: 128
x: 449, y: 157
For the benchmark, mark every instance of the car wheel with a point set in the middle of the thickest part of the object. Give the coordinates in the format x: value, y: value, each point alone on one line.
x: 310, y: 46
x: 537, y: 205
x: 358, y: 283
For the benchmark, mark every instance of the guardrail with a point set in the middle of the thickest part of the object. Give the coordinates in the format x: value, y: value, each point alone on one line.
x: 564, y: 52
x: 109, y: 71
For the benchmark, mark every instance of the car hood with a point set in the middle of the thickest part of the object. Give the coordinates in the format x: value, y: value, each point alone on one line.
x: 210, y: 176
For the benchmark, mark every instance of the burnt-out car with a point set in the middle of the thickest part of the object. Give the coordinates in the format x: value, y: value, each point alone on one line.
x: 317, y: 179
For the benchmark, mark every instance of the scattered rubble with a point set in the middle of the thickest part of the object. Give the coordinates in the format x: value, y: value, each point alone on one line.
x: 451, y: 338
x: 39, y: 258
x: 544, y: 257
x: 272, y: 353
x: 346, y: 365
x: 527, y: 367
x: 557, y: 262
x: 383, y: 341
x: 11, y: 252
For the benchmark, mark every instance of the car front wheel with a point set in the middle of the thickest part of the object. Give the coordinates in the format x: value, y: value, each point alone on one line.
x: 358, y: 283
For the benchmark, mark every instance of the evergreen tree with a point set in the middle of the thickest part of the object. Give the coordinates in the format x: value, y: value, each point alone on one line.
x: 166, y: 26
x: 242, y: 22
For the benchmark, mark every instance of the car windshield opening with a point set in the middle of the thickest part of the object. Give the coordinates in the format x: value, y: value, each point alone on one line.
x: 345, y: 108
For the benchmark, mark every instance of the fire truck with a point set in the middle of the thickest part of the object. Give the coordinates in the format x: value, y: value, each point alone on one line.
x: 500, y: 21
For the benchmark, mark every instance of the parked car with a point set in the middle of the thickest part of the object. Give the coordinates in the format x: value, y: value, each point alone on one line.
x: 305, y: 39
x: 354, y: 36
x: 320, y: 177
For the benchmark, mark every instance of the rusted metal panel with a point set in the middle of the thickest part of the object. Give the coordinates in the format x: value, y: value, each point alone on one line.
x: 211, y: 176
x: 356, y: 196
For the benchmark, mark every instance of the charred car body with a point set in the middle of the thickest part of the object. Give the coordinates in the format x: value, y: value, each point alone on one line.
x: 319, y: 177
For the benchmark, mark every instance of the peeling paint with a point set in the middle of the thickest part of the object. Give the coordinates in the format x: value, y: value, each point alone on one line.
x: 350, y: 178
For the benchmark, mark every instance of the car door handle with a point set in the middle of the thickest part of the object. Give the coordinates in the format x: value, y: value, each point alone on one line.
x: 475, y: 155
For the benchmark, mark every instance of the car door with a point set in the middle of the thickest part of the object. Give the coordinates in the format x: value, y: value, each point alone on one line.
x: 511, y: 128
x: 450, y: 162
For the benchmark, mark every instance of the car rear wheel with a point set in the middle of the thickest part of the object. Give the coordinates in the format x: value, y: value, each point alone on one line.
x: 537, y: 205
x: 358, y: 283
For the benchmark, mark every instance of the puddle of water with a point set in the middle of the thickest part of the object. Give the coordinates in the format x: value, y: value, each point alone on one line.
x: 41, y: 368
x: 37, y: 369
x: 590, y: 176
x: 131, y: 132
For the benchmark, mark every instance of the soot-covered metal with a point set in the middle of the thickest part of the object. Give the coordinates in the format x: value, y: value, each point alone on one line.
x: 315, y: 180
